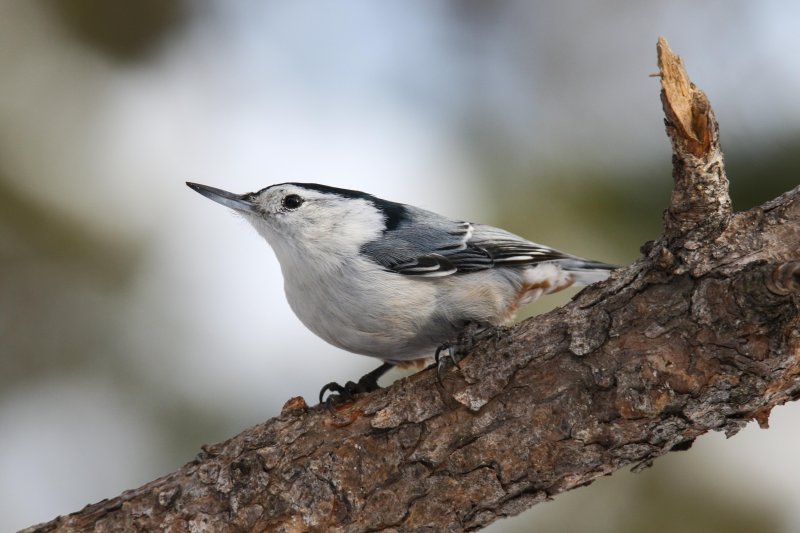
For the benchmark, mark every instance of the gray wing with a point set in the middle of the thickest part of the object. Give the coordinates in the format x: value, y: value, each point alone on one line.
x: 430, y: 245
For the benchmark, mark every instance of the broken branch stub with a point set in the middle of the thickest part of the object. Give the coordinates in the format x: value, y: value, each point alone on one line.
x: 700, y: 205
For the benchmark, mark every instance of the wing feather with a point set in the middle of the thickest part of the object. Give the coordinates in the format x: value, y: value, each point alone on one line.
x: 430, y: 245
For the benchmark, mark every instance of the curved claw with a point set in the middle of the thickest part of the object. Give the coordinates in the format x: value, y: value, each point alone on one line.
x: 458, y: 349
x: 438, y: 364
x: 440, y: 361
x: 344, y: 392
x: 339, y: 394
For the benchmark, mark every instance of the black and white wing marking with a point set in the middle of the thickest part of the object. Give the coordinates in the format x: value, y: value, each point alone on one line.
x: 434, y: 246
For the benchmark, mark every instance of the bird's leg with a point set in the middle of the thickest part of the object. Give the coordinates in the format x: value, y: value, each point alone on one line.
x: 344, y: 393
x: 460, y: 347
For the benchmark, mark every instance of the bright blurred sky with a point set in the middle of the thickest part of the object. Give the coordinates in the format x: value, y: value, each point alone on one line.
x: 386, y: 97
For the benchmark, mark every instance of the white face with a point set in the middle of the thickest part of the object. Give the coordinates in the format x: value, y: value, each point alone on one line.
x: 318, y: 225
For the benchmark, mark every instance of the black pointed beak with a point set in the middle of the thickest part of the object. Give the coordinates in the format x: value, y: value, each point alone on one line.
x: 237, y: 202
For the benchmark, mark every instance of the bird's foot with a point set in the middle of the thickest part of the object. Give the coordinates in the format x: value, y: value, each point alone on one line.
x: 457, y: 350
x: 344, y: 393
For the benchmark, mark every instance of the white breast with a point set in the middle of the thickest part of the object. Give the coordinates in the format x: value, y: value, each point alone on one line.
x: 354, y: 308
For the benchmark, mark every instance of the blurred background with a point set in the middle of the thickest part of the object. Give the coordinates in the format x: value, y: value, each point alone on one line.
x: 139, y: 321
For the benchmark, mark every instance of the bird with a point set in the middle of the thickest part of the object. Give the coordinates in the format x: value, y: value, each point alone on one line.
x: 394, y: 281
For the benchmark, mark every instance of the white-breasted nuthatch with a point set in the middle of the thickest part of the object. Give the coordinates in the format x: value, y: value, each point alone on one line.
x: 391, y: 280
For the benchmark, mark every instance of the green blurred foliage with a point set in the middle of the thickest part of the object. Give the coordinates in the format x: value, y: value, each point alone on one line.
x: 123, y: 31
x: 664, y: 507
x: 654, y: 501
x: 32, y: 232
x: 607, y: 214
x: 58, y: 280
x: 762, y: 171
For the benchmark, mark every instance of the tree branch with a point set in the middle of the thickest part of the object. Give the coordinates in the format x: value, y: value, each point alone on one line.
x: 702, y: 333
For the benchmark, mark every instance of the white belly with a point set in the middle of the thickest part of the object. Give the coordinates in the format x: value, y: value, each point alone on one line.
x: 363, y: 309
x: 372, y: 318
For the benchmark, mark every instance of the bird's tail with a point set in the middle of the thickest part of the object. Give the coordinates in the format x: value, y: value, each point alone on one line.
x: 586, y: 271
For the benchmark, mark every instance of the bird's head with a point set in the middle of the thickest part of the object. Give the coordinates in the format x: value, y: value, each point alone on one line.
x: 315, y: 220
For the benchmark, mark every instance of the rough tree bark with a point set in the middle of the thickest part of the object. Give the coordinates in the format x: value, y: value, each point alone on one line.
x: 702, y: 333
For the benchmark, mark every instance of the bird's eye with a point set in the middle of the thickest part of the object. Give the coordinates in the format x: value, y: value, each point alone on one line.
x: 292, y: 201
